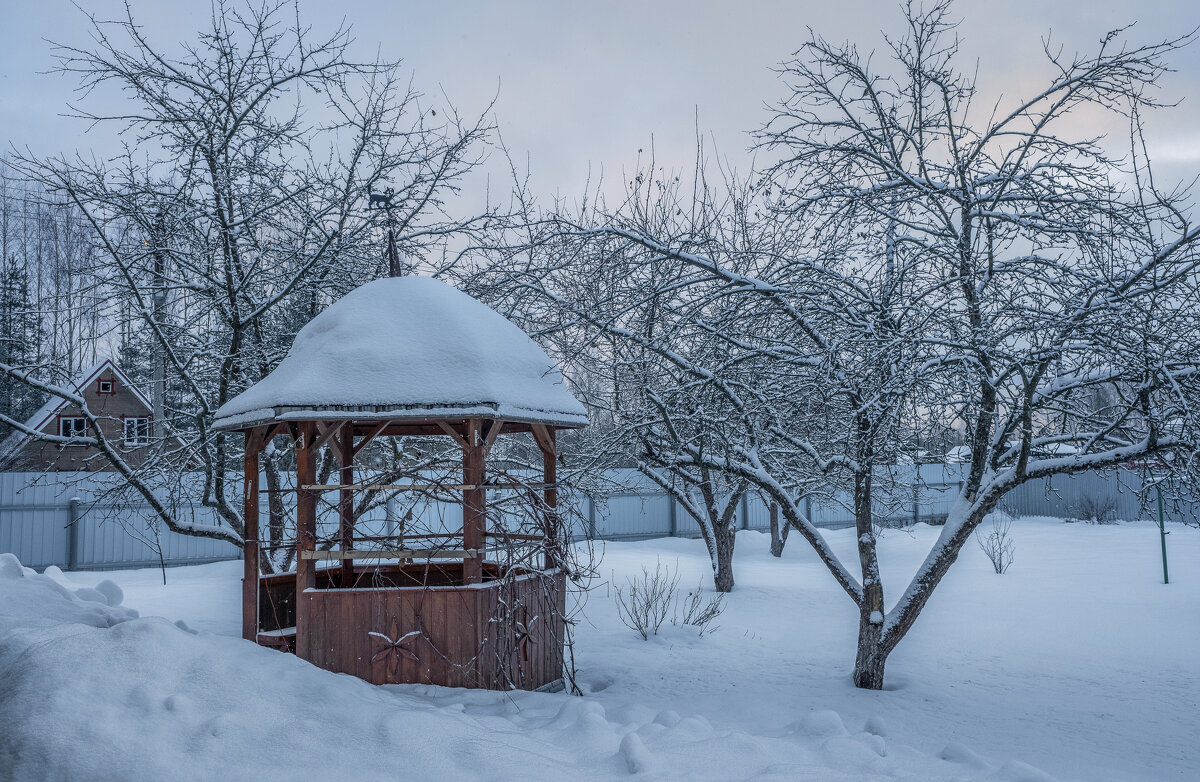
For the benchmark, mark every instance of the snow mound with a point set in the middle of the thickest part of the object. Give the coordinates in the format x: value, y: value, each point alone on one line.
x: 409, y: 347
x: 112, y: 593
x: 637, y: 757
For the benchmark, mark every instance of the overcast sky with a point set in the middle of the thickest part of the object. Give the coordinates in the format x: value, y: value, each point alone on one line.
x: 584, y: 85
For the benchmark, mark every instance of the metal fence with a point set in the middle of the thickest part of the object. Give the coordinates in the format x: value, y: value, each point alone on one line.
x: 64, y: 519
x: 913, y: 494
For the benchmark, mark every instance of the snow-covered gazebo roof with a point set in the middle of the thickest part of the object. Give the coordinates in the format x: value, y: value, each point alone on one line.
x: 406, y: 349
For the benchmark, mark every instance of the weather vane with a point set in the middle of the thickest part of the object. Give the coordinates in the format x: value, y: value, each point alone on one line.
x: 383, y: 202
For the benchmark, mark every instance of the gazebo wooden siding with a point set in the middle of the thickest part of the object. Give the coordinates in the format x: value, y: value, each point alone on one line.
x: 462, y: 648
x: 447, y: 633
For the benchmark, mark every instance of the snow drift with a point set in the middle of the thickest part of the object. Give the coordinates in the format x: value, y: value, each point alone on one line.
x: 90, y: 690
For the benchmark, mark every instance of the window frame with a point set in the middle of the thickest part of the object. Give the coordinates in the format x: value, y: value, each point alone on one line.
x: 136, y: 442
x: 62, y: 426
x: 112, y: 387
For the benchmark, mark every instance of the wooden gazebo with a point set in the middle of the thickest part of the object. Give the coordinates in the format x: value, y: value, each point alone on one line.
x: 398, y: 357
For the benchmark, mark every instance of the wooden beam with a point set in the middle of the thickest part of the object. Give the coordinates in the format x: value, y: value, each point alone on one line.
x: 414, y: 486
x: 273, y: 430
x: 370, y: 435
x: 345, y: 448
x: 458, y: 438
x: 493, y: 431
x: 517, y: 536
x: 306, y: 513
x: 325, y: 432
x: 401, y: 486
x: 346, y: 556
x: 545, y: 439
x: 255, y: 439
x: 474, y: 500
x: 413, y: 536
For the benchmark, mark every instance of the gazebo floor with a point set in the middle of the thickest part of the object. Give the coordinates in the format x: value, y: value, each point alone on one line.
x: 419, y: 624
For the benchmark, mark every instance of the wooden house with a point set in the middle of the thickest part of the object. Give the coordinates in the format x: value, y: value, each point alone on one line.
x: 123, y: 412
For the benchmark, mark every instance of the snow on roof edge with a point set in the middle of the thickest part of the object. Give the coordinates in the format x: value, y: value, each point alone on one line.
x: 506, y: 412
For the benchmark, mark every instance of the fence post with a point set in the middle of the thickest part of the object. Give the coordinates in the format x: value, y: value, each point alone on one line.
x: 673, y: 521
x: 1162, y: 533
x: 808, y: 509
x: 916, y: 516
x: 745, y: 510
x: 73, y: 520
x: 591, y: 517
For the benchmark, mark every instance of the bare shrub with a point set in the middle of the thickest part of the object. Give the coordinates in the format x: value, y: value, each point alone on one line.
x: 645, y: 602
x: 698, y: 611
x: 996, y: 542
x: 1097, y: 510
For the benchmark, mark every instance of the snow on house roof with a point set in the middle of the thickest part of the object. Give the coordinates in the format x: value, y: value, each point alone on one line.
x: 959, y: 454
x: 78, y: 384
x: 403, y: 348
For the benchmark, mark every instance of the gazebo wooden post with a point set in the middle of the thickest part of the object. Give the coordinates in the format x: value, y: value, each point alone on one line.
x: 346, y: 501
x: 474, y: 502
x: 546, y: 441
x: 254, y: 443
x: 306, y: 515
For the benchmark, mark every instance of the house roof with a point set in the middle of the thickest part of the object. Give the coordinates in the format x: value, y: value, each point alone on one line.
x: 959, y: 454
x: 17, y: 440
x: 408, y: 348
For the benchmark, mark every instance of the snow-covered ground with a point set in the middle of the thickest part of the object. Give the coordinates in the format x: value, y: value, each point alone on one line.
x: 1078, y: 664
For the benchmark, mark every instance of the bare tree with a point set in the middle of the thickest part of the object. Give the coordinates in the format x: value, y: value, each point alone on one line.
x: 237, y: 211
x: 713, y: 505
x: 907, y: 264
x: 779, y: 532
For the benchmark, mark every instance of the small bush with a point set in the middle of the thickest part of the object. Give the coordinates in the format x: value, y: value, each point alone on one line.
x: 995, y: 541
x: 645, y: 602
x: 698, y: 611
x: 1097, y: 510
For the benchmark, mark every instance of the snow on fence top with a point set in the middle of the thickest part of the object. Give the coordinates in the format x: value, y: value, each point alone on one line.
x: 404, y: 348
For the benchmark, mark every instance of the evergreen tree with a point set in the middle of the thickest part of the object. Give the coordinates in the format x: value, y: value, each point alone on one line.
x: 20, y: 334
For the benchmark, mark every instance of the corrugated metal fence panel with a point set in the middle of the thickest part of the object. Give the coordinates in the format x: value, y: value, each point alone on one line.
x: 34, y: 521
x: 758, y: 515
x: 685, y: 525
x: 627, y: 515
x: 1116, y: 492
x: 834, y: 512
x: 130, y: 536
x: 35, y: 524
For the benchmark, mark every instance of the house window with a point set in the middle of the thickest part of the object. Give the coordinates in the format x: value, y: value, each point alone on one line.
x: 72, y: 427
x: 104, y: 387
x: 137, y: 431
